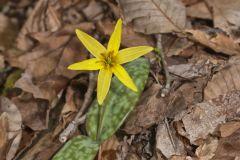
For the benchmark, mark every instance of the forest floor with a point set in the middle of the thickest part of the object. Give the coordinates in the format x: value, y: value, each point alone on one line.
x: 190, y: 106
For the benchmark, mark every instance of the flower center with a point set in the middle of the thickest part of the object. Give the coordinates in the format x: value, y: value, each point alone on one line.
x: 108, y: 58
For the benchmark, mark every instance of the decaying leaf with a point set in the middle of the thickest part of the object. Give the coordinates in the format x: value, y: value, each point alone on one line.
x: 26, y: 84
x: 45, y: 17
x: 3, y: 134
x: 109, y: 148
x: 173, y: 46
x: 175, y: 157
x: 207, y: 150
x: 94, y: 11
x: 73, y: 52
x: 2, y: 65
x: 152, y: 108
x: 150, y: 111
x: 228, y: 128
x: 34, y: 112
x: 226, y: 15
x: 7, y: 32
x: 47, y: 89
x: 229, y: 147
x: 203, y: 118
x: 199, y: 10
x: 167, y: 142
x: 226, y: 80
x: 14, y: 126
x: 69, y: 108
x: 155, y: 16
x: 192, y: 70
x: 43, y: 149
x: 216, y: 40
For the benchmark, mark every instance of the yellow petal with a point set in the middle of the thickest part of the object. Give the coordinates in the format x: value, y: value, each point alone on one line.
x: 90, y: 64
x: 124, y: 77
x: 115, y: 39
x: 92, y: 45
x: 104, y: 81
x: 129, y: 54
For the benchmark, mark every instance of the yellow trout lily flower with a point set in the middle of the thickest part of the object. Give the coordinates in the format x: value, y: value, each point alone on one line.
x: 109, y: 60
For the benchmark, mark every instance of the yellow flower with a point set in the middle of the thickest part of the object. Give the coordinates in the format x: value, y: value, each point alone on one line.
x: 109, y: 60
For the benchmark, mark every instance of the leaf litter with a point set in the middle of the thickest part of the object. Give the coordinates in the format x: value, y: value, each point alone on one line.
x: 199, y: 117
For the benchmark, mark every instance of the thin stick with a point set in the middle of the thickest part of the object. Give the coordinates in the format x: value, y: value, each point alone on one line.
x: 80, y: 118
x: 167, y: 87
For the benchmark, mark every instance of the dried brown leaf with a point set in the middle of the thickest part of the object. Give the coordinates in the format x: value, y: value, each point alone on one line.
x: 203, y: 118
x: 154, y: 16
x: 182, y: 158
x: 167, y: 142
x: 72, y: 53
x: 152, y: 108
x: 109, y: 148
x: 2, y: 64
x: 228, y: 128
x: 94, y: 11
x: 3, y: 134
x: 43, y: 149
x: 44, y: 17
x: 8, y: 32
x: 69, y: 108
x: 174, y: 46
x: 199, y: 10
x: 229, y: 147
x: 189, y: 2
x: 207, y: 150
x: 34, y: 112
x: 192, y: 70
x: 226, y: 15
x: 44, y: 89
x: 226, y: 80
x: 149, y: 111
x: 216, y: 40
x: 26, y: 84
x: 53, y: 57
x: 14, y: 128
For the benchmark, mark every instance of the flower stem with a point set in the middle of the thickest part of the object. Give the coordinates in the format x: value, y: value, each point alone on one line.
x: 101, y: 111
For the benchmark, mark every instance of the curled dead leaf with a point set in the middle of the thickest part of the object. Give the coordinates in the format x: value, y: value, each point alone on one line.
x: 216, y: 40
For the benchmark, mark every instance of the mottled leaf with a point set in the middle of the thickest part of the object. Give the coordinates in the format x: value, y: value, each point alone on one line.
x: 78, y: 148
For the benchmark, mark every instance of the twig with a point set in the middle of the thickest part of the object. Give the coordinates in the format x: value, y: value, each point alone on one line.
x: 166, y: 89
x: 80, y: 118
x: 170, y: 134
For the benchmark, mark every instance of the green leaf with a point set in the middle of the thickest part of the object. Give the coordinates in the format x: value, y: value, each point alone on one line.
x: 10, y: 81
x: 78, y: 148
x: 119, y: 102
